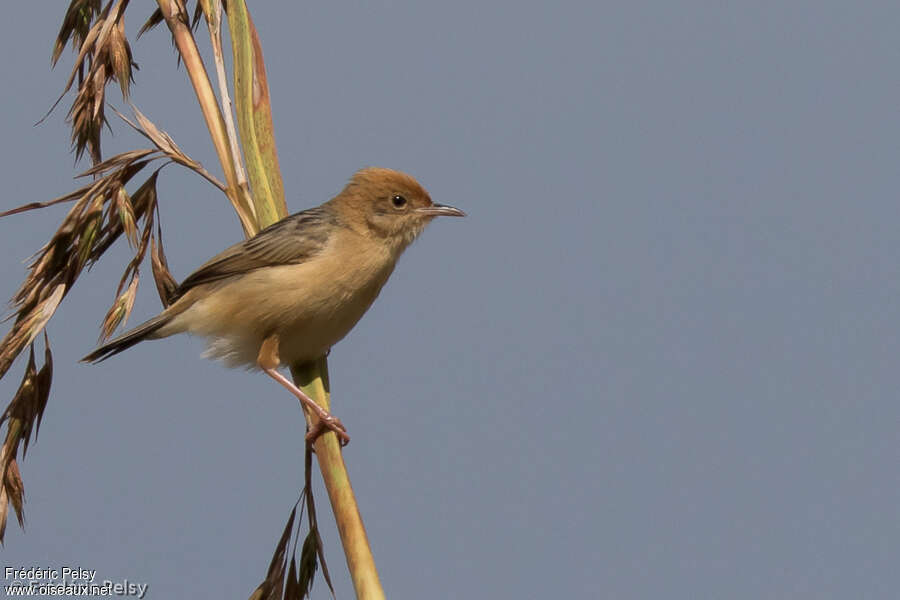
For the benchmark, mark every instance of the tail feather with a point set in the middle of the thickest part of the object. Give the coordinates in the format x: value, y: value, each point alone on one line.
x: 128, y: 339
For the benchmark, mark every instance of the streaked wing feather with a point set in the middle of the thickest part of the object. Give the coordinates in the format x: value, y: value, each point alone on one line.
x: 292, y: 240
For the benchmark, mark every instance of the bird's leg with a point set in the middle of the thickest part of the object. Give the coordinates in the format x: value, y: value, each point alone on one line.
x: 268, y: 360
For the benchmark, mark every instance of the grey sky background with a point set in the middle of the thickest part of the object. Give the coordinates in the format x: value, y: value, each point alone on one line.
x: 659, y: 359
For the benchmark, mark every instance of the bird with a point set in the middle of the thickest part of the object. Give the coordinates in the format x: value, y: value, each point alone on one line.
x: 292, y: 291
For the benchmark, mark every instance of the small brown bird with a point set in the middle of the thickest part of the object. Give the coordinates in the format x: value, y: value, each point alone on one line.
x: 292, y: 291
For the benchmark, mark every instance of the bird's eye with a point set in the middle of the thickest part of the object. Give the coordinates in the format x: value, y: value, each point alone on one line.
x: 398, y: 201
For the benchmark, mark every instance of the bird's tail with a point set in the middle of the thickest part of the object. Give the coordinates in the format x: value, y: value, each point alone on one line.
x: 128, y: 339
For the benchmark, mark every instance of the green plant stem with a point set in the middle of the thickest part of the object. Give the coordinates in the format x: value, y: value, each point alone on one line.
x: 312, y: 378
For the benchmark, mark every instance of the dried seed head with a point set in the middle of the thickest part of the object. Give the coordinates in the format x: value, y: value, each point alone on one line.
x: 75, y: 25
x: 12, y: 483
x: 88, y: 229
x: 165, y: 283
x: 120, y: 59
x: 121, y: 309
x: 126, y: 215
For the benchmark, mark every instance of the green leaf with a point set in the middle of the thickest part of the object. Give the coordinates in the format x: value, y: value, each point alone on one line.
x: 254, y: 115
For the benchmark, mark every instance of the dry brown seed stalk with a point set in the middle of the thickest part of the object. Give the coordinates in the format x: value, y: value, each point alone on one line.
x: 165, y: 283
x: 164, y: 142
x: 23, y: 416
x: 118, y: 161
x: 176, y: 19
x: 84, y: 234
x: 103, y: 54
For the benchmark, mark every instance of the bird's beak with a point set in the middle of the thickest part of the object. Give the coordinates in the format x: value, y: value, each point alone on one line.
x: 437, y: 210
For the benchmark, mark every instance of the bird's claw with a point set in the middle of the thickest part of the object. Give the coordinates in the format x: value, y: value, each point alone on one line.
x: 325, y: 424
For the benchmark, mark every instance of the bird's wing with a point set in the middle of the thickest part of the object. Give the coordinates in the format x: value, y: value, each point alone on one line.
x: 291, y: 240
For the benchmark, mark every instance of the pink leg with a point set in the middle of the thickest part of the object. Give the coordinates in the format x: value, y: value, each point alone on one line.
x: 326, y: 421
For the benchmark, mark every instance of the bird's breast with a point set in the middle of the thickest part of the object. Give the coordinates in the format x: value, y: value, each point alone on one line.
x: 320, y: 315
x: 310, y: 305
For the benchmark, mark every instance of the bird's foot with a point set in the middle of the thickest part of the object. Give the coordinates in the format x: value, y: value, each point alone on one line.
x: 328, y: 422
